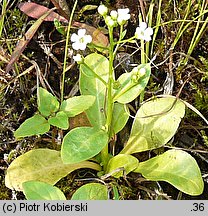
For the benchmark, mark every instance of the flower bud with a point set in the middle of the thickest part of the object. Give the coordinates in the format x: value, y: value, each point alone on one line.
x: 102, y: 10
x: 114, y: 14
x: 137, y: 73
x: 110, y: 22
x: 134, y: 70
x: 142, y: 72
x: 116, y: 85
x: 134, y: 78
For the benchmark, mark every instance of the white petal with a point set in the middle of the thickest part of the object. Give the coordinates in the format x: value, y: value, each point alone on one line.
x: 138, y: 33
x: 75, y: 46
x: 82, y: 46
x: 120, y: 11
x: 81, y: 32
x: 127, y: 17
x: 143, y: 25
x: 87, y: 39
x: 138, y: 29
x: 74, y: 37
x: 127, y: 10
x: 120, y: 20
x: 142, y: 37
x: 149, y: 31
x: 123, y: 11
x: 134, y: 70
x: 147, y: 38
x: 77, y: 58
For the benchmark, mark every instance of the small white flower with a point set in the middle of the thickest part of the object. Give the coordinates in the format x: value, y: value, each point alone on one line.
x: 80, y: 40
x: 123, y: 16
x: 77, y: 58
x: 102, y: 10
x: 114, y: 14
x: 143, y: 33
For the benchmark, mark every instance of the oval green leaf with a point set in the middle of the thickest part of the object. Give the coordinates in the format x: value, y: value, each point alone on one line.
x: 82, y: 143
x: 130, y: 90
x: 76, y: 105
x: 36, y: 190
x: 127, y: 162
x: 60, y: 120
x: 91, y: 85
x: 175, y: 167
x: 156, y: 122
x: 47, y: 103
x: 91, y: 191
x: 43, y: 165
x: 33, y: 126
x: 120, y: 117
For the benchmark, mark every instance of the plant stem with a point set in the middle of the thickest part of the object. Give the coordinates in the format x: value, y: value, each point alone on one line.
x: 2, y: 17
x: 147, y: 45
x: 143, y: 60
x: 197, y: 32
x: 126, y: 40
x: 110, y: 82
x: 123, y: 91
x: 182, y: 28
x: 66, y: 50
x: 158, y: 21
x: 93, y: 72
x: 104, y: 152
x: 120, y: 34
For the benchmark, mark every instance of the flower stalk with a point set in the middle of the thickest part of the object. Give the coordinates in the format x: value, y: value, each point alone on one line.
x: 104, y: 152
x: 66, y: 50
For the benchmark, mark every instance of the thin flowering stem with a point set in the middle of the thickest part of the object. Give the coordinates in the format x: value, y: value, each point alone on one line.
x: 120, y: 35
x: 66, y: 50
x: 104, y: 152
x: 126, y: 40
x: 93, y: 72
x: 97, y: 46
x: 137, y: 74
x: 110, y: 80
x: 143, y: 61
x: 123, y: 91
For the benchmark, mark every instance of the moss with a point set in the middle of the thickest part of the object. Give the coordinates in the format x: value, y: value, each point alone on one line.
x: 15, y: 23
x: 199, y: 101
x: 205, y: 137
x: 5, y: 193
